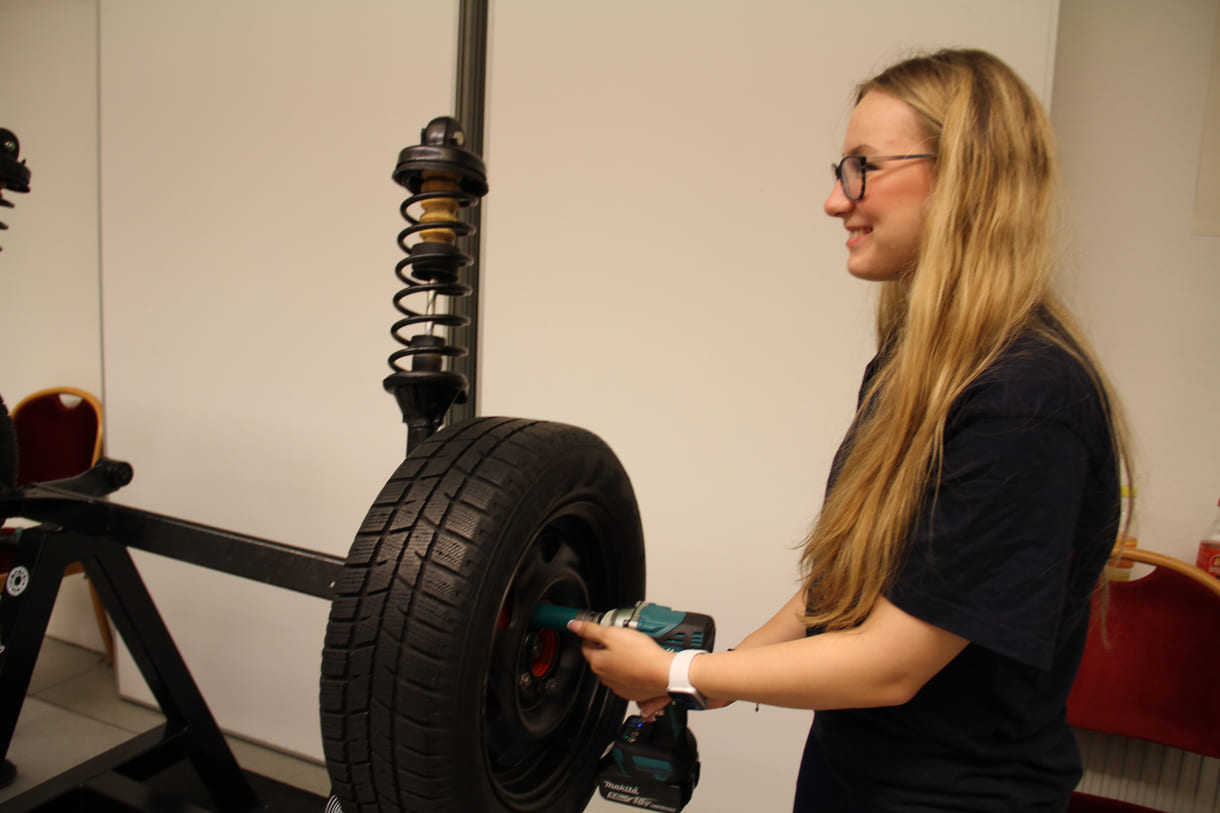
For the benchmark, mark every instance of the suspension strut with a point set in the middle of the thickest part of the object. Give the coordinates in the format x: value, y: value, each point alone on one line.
x: 442, y: 178
x: 14, y: 174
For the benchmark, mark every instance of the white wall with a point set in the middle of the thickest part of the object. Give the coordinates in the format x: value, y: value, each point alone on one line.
x: 1130, y: 87
x: 249, y: 224
x: 49, y: 266
x: 658, y: 269
x: 48, y: 97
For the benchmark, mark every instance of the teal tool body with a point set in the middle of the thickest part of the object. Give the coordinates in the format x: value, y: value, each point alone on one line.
x: 671, y: 629
x: 651, y: 765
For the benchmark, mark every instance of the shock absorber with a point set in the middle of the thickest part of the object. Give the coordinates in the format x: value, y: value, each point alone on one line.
x: 14, y: 174
x: 442, y: 177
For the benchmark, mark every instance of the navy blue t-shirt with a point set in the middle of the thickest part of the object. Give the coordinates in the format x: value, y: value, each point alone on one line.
x: 1006, y: 556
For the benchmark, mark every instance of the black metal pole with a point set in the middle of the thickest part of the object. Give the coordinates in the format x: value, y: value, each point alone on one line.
x: 469, y: 110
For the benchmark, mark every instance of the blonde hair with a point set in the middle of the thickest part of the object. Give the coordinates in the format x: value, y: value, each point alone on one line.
x: 988, y: 251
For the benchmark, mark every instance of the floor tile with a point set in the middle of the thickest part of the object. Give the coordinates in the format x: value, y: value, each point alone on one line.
x: 300, y: 773
x: 49, y: 740
x: 94, y: 693
x: 73, y: 712
x: 58, y: 661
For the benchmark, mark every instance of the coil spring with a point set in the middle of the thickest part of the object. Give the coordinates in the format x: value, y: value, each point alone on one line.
x: 430, y: 268
x: 442, y: 177
x: 14, y: 174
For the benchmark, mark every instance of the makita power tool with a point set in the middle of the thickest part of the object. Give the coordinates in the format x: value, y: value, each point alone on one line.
x: 650, y: 765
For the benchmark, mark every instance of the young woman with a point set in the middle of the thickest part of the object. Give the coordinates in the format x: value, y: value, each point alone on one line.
x: 975, y: 499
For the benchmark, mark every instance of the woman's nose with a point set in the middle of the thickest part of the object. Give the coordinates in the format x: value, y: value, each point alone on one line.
x: 837, y: 204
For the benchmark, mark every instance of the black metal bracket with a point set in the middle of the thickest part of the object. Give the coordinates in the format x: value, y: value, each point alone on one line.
x: 80, y: 527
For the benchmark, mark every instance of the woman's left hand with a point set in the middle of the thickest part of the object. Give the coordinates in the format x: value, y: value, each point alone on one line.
x: 629, y: 662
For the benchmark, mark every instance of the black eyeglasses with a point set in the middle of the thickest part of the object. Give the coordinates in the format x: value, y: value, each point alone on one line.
x: 850, y: 171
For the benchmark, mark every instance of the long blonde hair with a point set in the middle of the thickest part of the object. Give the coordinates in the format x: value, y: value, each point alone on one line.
x: 989, y: 247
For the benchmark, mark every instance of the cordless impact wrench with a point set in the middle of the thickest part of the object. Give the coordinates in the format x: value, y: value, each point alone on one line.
x: 651, y: 765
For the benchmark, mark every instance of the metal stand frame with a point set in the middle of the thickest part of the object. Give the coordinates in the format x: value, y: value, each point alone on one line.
x: 98, y: 534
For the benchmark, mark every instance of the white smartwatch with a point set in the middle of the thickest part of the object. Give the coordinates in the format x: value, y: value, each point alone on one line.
x: 681, y: 691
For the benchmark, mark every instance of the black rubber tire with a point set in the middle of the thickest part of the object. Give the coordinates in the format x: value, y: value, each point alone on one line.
x: 436, y: 696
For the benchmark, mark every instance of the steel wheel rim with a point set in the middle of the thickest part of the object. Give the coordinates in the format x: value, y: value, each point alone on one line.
x: 541, y: 700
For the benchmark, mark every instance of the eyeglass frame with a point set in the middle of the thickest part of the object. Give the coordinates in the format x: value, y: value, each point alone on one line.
x: 863, y: 161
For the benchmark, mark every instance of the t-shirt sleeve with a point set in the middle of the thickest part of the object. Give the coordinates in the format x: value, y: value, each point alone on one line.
x: 989, y: 557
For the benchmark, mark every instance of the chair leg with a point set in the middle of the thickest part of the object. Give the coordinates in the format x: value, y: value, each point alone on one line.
x: 103, y: 624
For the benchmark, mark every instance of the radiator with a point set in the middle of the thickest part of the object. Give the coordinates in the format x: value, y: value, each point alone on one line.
x: 1148, y: 774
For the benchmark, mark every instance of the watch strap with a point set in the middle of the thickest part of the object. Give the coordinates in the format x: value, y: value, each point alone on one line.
x: 680, y: 687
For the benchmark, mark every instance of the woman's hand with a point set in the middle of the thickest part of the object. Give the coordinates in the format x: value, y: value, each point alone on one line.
x: 630, y: 663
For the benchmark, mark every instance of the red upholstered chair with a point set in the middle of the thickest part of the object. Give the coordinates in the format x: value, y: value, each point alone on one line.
x: 1155, y: 678
x: 59, y: 434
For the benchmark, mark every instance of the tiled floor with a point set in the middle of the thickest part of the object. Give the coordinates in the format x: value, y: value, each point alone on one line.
x: 73, y: 712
